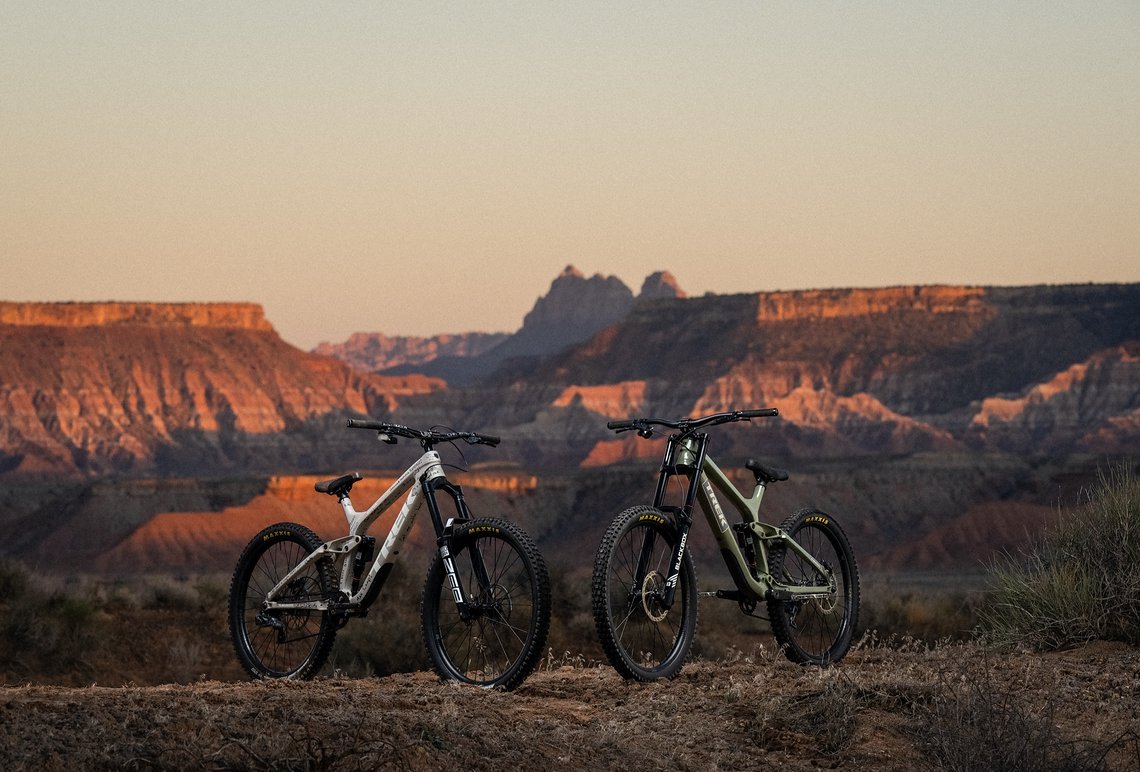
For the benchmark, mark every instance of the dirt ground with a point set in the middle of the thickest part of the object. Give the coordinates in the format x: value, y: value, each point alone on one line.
x: 890, y: 708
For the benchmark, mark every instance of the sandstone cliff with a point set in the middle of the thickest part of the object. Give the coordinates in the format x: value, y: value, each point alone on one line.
x: 238, y: 316
x: 97, y: 388
x: 916, y: 413
x: 94, y: 388
x: 863, y: 371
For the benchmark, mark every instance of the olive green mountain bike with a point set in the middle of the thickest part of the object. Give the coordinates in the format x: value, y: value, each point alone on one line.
x: 644, y: 589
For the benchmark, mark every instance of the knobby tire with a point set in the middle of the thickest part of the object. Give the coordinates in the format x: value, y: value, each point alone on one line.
x: 643, y: 640
x: 815, y: 631
x: 297, y: 643
x: 502, y: 639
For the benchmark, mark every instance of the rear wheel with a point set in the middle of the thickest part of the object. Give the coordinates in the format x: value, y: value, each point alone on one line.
x: 642, y: 638
x: 497, y: 638
x: 815, y: 631
x: 284, y: 643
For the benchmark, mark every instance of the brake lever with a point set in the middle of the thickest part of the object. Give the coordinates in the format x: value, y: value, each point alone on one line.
x: 387, y: 439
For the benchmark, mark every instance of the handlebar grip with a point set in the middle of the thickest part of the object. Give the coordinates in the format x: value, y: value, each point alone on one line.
x: 615, y: 425
x: 766, y: 412
x: 359, y: 423
x: 489, y: 439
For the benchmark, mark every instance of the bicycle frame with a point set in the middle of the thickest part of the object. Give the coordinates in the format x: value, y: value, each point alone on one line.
x: 685, y: 455
x: 423, y: 478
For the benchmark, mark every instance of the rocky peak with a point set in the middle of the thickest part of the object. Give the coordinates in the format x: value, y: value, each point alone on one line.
x: 660, y: 284
x: 574, y: 309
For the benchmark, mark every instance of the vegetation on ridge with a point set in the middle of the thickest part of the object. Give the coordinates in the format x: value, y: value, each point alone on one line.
x: 1081, y: 581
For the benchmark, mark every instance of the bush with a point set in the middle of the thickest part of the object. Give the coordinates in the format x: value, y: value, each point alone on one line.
x: 1080, y: 582
x: 975, y: 723
x: 42, y: 630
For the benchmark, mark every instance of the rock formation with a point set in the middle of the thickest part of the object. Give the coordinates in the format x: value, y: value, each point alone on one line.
x: 98, y: 388
x: 660, y: 284
x: 909, y: 410
x: 95, y: 388
x: 374, y: 352
x: 573, y: 309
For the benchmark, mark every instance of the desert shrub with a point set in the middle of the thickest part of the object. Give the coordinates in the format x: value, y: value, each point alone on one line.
x: 1079, y: 582
x: 826, y: 719
x: 924, y: 615
x: 13, y: 580
x: 43, y: 630
x: 173, y: 594
x: 974, y: 723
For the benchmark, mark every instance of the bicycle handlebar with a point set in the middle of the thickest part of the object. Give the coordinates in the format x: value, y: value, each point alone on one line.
x: 686, y: 424
x: 429, y: 436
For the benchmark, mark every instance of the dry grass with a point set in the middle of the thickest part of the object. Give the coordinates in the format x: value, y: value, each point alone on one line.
x: 915, y: 707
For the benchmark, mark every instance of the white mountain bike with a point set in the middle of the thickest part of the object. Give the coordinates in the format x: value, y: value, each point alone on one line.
x: 485, y: 605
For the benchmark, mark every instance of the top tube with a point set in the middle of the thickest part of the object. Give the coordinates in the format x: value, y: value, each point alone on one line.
x: 426, y: 437
x: 689, y: 424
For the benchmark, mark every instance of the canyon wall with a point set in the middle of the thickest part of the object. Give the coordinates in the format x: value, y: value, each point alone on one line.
x: 916, y: 412
x: 101, y: 388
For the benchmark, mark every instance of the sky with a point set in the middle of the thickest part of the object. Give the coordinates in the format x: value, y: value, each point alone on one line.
x: 418, y: 168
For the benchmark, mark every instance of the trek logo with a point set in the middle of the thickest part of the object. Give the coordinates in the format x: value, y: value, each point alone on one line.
x: 676, y: 572
x: 721, y: 520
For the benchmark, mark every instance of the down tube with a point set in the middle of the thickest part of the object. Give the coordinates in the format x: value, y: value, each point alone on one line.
x: 714, y: 478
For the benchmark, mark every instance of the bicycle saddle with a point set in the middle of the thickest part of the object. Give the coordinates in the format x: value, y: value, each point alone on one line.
x: 340, y: 486
x: 765, y: 474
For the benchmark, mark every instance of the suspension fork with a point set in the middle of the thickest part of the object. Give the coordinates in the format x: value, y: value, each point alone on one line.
x: 684, y: 455
x: 443, y: 532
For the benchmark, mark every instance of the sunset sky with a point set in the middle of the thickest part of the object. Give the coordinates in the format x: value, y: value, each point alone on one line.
x: 417, y: 167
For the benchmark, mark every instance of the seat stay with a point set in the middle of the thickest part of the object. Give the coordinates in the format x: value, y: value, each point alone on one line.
x: 341, y: 546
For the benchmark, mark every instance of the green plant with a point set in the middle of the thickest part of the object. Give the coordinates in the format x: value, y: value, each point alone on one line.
x: 1081, y: 581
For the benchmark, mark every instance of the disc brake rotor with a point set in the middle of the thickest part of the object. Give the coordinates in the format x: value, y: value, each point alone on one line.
x: 651, y: 597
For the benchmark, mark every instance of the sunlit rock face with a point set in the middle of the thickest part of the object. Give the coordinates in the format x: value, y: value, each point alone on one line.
x: 92, y: 388
x: 134, y: 388
x: 239, y: 316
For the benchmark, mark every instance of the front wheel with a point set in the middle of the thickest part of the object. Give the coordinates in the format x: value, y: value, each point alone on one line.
x: 285, y: 643
x: 815, y: 631
x: 643, y: 639
x: 496, y: 638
